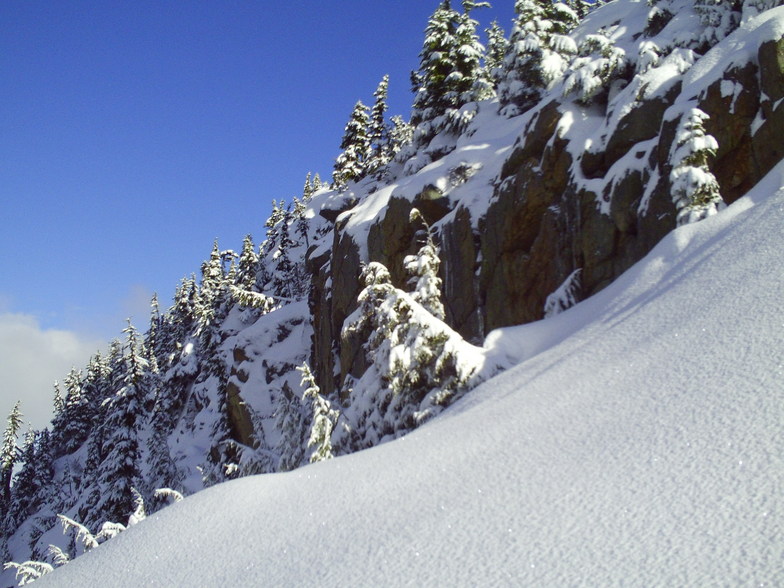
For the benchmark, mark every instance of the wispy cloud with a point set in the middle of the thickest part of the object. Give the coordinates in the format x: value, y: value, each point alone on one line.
x: 31, y: 359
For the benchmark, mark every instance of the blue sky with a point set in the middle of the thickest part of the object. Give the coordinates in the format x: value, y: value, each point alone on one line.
x: 133, y: 134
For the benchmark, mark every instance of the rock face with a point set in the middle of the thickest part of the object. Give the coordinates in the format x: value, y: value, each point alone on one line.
x: 747, y: 120
x: 545, y: 218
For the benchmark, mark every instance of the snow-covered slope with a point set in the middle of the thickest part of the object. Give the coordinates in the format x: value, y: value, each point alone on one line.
x: 640, y: 446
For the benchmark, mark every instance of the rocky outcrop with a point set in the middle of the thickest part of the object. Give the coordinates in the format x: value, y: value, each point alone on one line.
x: 747, y: 120
x: 545, y: 219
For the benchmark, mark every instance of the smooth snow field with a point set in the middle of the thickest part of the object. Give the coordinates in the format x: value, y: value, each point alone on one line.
x: 639, y: 444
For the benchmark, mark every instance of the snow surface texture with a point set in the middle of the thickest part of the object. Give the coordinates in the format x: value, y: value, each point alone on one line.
x: 640, y: 446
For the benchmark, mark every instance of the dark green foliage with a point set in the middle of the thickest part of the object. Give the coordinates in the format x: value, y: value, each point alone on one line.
x: 353, y: 161
x: 450, y: 73
x: 537, y: 54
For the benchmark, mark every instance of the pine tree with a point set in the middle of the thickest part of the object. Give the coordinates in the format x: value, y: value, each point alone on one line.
x: 33, y: 483
x: 538, y: 52
x: 401, y: 134
x: 450, y: 73
x: 565, y: 296
x: 470, y: 57
x: 153, y: 339
x: 213, y: 291
x: 423, y: 271
x: 283, y: 276
x: 308, y: 190
x: 378, y: 129
x: 415, y: 369
x: 719, y: 17
x: 8, y: 455
x: 324, y: 417
x: 291, y: 419
x: 497, y: 46
x: 71, y: 425
x: 695, y: 190
x: 581, y: 8
x: 248, y: 262
x: 317, y: 183
x: 660, y: 13
x: 599, y: 64
x: 119, y: 469
x: 351, y: 164
x: 300, y: 219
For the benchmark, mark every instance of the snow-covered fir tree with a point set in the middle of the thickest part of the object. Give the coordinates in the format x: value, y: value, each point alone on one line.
x: 72, y: 422
x: 416, y: 364
x: 9, y: 454
x: 121, y: 451
x: 401, y: 133
x: 719, y: 17
x: 538, y: 53
x: 582, y: 7
x: 497, y: 45
x: 246, y: 268
x: 323, y: 420
x: 450, y: 73
x: 292, y: 420
x: 352, y: 163
x: 423, y: 271
x: 695, y: 190
x: 378, y: 130
x: 33, y: 483
x: 600, y: 63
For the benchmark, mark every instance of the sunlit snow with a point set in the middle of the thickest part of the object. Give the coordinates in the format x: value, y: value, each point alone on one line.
x: 639, y: 444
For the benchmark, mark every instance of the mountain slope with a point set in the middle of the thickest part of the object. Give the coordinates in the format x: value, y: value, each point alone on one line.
x: 641, y: 445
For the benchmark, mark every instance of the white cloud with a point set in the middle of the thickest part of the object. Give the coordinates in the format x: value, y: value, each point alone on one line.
x: 31, y: 359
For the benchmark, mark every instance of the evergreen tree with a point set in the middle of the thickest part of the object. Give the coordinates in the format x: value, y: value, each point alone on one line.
x: 415, y: 369
x: 9, y: 453
x: 538, y: 52
x: 497, y: 46
x: 660, y: 13
x: 33, y: 484
x: 450, y: 73
x: 213, y: 291
x: 301, y: 221
x: 470, y: 56
x: 184, y: 312
x: 153, y: 339
x: 291, y: 419
x: 423, y: 271
x: 352, y: 163
x: 71, y: 425
x: 719, y: 17
x: 119, y: 469
x: 592, y: 74
x: 317, y: 183
x: 377, y: 128
x: 695, y: 190
x: 581, y: 8
x: 308, y: 190
x: 324, y: 417
x: 565, y: 296
x: 248, y: 262
x: 283, y: 280
x: 272, y: 224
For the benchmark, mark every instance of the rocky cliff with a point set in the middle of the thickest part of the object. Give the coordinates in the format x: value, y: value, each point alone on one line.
x: 583, y: 187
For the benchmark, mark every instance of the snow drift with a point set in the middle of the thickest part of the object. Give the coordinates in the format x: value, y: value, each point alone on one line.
x: 640, y: 445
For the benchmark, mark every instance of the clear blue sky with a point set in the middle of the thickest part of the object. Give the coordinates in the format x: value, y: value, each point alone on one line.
x: 134, y: 133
